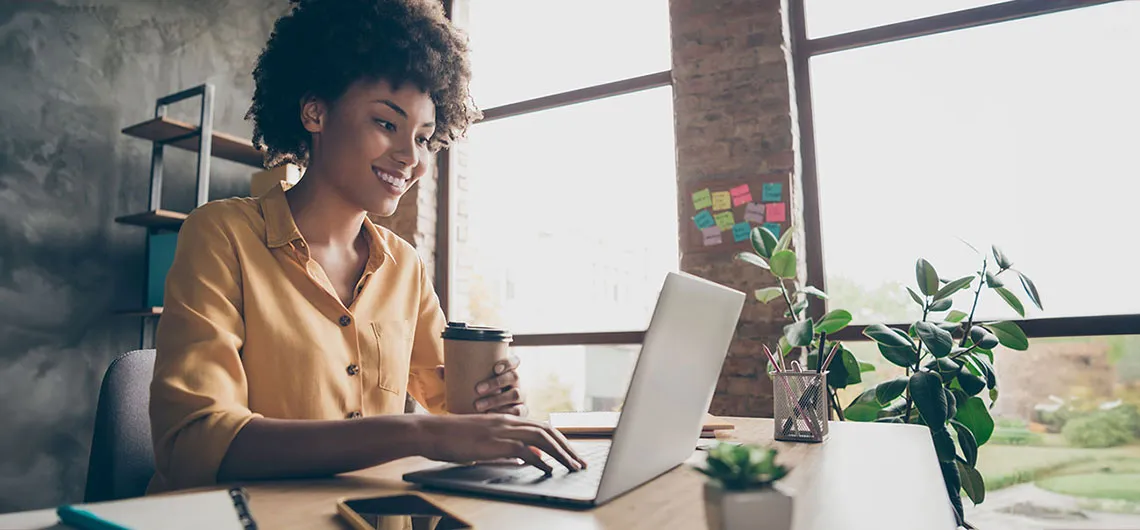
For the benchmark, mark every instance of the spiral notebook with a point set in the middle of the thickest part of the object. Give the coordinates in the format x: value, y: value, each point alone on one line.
x: 220, y: 509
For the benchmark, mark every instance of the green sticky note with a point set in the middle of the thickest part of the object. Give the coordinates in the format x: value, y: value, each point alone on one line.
x: 702, y: 199
x: 724, y: 220
x: 704, y: 219
x: 774, y: 228
x: 773, y: 192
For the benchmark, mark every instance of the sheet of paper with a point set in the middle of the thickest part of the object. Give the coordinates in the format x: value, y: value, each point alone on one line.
x: 740, y: 232
x: 738, y: 200
x: 704, y: 219
x: 773, y: 192
x: 754, y: 213
x: 774, y: 228
x: 740, y: 190
x: 702, y: 199
x: 725, y: 220
x: 721, y: 200
x: 776, y: 212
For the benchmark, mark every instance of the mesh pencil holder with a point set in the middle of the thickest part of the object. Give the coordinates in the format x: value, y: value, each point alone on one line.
x: 800, y: 406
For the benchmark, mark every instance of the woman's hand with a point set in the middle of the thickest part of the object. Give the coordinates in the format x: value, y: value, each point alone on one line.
x: 481, y: 437
x: 501, y: 393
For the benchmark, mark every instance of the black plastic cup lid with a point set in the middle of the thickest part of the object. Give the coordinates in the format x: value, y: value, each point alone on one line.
x: 462, y: 331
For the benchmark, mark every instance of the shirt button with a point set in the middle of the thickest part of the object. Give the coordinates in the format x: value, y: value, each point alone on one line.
x: 354, y: 415
x: 353, y: 369
x: 345, y: 321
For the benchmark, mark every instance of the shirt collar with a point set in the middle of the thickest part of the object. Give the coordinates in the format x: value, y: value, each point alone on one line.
x: 281, y: 229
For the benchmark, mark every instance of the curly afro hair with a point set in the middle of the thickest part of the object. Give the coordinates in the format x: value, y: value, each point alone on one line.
x: 323, y: 46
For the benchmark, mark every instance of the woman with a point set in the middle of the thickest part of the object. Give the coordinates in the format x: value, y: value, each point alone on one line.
x: 293, y: 326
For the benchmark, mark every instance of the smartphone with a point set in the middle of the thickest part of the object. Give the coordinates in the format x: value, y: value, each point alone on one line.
x: 397, y: 512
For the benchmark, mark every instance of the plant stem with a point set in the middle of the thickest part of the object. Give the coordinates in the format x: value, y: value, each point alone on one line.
x: 961, y: 353
x: 835, y: 403
x: 977, y: 294
x: 788, y: 300
x: 917, y: 365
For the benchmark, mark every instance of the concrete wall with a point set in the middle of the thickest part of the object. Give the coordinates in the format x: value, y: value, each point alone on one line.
x: 72, y: 74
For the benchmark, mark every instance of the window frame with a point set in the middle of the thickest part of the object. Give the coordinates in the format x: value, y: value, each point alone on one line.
x: 803, y: 49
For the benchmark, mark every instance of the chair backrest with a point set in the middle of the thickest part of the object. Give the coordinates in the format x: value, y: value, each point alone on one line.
x: 122, y: 454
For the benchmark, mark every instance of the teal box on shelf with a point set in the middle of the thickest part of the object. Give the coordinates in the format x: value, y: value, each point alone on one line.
x: 160, y: 255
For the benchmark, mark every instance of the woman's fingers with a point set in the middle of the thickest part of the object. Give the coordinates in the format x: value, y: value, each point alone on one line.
x: 497, y: 383
x: 522, y: 452
x: 558, y: 437
x: 542, y: 439
x: 507, y: 398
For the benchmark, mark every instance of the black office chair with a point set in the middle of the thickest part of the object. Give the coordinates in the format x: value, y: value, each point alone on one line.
x: 122, y: 457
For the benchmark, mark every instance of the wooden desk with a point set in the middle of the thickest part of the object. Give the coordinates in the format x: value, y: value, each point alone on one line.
x: 865, y: 476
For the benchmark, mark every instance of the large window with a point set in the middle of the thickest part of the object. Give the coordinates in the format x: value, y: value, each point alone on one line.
x: 1015, y: 124
x: 562, y: 202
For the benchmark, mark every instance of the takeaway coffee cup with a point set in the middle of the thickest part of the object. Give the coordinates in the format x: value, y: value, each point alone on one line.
x: 469, y: 357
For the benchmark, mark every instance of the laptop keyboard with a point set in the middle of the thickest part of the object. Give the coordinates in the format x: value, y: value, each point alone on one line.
x: 594, y: 455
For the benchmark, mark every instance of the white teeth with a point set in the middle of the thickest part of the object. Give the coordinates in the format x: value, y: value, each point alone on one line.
x: 398, y: 183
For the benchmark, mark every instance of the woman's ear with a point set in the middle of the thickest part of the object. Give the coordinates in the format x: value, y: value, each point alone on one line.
x: 313, y: 113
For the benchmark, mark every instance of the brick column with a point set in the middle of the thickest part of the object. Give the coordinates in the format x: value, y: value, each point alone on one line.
x: 734, y: 115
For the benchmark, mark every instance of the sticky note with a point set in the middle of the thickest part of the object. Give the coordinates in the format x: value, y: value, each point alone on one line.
x: 774, y: 228
x: 711, y: 231
x: 773, y: 192
x: 737, y: 200
x: 754, y: 213
x: 740, y: 231
x: 740, y: 190
x: 713, y: 240
x: 721, y: 200
x: 776, y: 212
x: 702, y: 199
x: 704, y: 219
x: 724, y: 220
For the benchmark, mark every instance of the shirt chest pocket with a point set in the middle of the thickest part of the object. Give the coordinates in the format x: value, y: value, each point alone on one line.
x: 390, y: 355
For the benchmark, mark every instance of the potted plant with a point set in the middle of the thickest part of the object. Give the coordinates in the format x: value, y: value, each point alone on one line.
x: 742, y: 491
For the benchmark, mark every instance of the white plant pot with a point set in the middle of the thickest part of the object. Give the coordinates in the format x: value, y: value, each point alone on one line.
x: 765, y: 509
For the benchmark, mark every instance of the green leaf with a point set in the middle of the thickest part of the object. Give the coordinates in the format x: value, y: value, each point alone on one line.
x: 949, y: 327
x: 866, y: 367
x: 763, y: 241
x: 936, y: 339
x: 951, y: 402
x: 784, y: 264
x: 993, y: 396
x: 888, y: 391
x: 949, y: 289
x: 799, y: 333
x: 785, y: 241
x: 972, y: 482
x: 882, y: 334
x: 861, y: 412
x: 833, y: 321
x: 904, y: 356
x: 784, y: 346
x: 956, y: 316
x: 1010, y: 335
x: 943, y: 443
x: 927, y: 277
x: 1011, y: 299
x: 926, y: 392
x: 768, y: 294
x: 971, y: 384
x: 1001, y: 258
x: 753, y: 259
x: 917, y: 299
x: 850, y: 367
x: 967, y: 442
x: 941, y: 305
x: 867, y: 397
x: 983, y: 338
x: 797, y: 307
x: 945, y: 367
x: 974, y: 416
x: 1031, y: 290
x: 987, y: 370
x: 992, y: 281
x: 953, y: 488
x: 814, y: 292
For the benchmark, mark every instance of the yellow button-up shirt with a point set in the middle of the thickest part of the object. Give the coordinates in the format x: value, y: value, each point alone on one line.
x: 252, y: 327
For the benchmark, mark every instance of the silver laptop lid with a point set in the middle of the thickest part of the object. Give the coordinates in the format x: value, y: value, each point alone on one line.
x: 673, y: 382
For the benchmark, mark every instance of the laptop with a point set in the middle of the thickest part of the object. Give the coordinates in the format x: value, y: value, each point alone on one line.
x: 665, y: 405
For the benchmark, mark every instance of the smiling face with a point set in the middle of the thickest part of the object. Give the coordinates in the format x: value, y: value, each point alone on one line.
x: 371, y: 144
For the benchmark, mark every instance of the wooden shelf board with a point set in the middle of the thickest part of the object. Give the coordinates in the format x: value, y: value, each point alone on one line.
x: 154, y: 218
x: 144, y: 312
x: 185, y: 136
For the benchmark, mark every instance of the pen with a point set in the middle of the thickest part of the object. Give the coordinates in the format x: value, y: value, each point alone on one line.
x: 80, y: 518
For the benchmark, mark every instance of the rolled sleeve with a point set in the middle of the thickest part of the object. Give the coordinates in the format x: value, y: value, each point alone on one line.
x: 425, y: 385
x: 199, y: 395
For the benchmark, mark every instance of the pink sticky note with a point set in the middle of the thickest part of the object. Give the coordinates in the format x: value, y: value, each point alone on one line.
x: 737, y: 200
x: 754, y: 213
x: 775, y: 212
x: 740, y: 190
x: 713, y: 240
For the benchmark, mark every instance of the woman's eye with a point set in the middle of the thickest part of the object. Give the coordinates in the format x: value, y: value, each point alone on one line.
x: 386, y: 124
x: 422, y: 140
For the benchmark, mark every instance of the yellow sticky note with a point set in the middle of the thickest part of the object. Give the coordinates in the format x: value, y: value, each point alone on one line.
x: 702, y: 199
x: 722, y: 200
x: 724, y: 220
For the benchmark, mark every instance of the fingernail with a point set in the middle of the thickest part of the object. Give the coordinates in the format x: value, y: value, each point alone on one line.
x: 480, y: 406
x: 482, y: 388
x: 499, y: 368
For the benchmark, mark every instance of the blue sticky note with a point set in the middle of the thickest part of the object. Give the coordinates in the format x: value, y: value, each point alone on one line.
x: 774, y: 228
x: 740, y: 231
x: 773, y: 192
x: 704, y: 219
